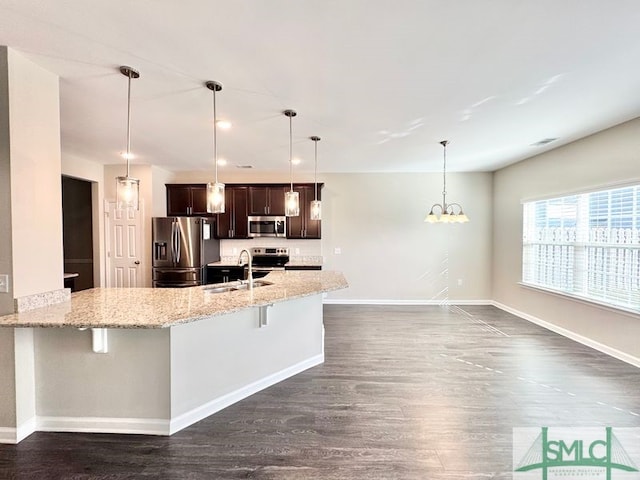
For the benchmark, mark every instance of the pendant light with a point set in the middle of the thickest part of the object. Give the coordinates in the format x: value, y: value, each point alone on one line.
x: 128, y: 188
x: 291, y: 198
x: 449, y: 212
x: 215, y: 191
x: 316, y: 205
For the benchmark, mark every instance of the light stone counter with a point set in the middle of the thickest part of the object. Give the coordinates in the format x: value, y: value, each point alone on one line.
x: 166, y: 307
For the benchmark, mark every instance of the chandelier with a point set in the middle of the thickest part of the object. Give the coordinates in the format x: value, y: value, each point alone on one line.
x: 445, y: 212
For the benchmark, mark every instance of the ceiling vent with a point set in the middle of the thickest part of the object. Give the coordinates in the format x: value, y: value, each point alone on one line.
x: 244, y: 166
x: 544, y: 141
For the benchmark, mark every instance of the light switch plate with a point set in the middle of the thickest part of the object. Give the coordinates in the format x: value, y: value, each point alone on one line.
x: 4, y: 283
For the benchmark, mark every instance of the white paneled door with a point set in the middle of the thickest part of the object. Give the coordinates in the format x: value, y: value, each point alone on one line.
x: 123, y: 246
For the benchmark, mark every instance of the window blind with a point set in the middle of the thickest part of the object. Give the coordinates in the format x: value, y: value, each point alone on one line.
x: 585, y: 245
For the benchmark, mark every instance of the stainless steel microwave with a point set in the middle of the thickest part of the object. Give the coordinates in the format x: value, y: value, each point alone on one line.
x: 265, y: 226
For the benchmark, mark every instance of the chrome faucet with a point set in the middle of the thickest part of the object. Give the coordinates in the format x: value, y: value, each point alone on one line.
x: 250, y: 275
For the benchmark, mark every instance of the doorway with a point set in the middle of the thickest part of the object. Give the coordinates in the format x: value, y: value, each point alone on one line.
x: 77, y: 233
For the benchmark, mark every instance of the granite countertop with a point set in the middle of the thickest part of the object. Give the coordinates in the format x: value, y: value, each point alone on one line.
x: 166, y: 307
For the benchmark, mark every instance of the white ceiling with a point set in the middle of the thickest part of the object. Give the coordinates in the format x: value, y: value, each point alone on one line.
x: 381, y: 81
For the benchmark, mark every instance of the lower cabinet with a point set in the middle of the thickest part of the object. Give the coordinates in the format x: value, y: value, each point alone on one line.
x: 225, y: 273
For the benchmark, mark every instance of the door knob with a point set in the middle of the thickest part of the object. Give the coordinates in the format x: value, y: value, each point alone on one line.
x: 137, y: 262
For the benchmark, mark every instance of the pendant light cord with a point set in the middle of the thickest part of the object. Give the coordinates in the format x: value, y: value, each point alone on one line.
x: 128, y: 121
x: 315, y: 174
x: 444, y: 175
x: 291, y: 152
x: 215, y: 137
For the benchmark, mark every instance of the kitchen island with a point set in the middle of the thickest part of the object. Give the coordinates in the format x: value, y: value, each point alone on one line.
x: 168, y: 357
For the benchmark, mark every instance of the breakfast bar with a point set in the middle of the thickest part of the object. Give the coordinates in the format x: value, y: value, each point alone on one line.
x: 154, y: 361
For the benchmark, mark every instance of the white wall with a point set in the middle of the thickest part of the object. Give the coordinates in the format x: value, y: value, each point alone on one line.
x: 160, y: 177
x: 6, y: 252
x: 388, y: 252
x: 36, y: 192
x: 602, y: 159
x: 30, y: 218
x: 74, y: 381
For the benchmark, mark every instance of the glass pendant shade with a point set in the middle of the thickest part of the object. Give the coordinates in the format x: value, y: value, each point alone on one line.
x: 316, y: 210
x: 291, y: 204
x: 127, y: 193
x: 215, y: 197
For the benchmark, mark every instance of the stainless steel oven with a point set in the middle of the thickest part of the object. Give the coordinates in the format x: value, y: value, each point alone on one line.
x: 268, y: 259
x: 267, y: 226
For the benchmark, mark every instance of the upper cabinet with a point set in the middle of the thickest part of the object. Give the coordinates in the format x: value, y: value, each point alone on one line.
x: 243, y: 200
x: 266, y: 199
x: 187, y: 200
x: 302, y: 226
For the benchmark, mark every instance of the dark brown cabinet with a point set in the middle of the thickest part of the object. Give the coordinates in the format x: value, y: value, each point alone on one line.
x: 302, y: 226
x: 187, y: 200
x: 233, y: 222
x: 266, y: 200
x: 243, y: 200
x: 225, y: 273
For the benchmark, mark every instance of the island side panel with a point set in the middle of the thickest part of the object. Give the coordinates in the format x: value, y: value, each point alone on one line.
x: 125, y: 390
x: 218, y: 361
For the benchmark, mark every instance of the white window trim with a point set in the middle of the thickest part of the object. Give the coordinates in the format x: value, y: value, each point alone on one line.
x: 581, y: 243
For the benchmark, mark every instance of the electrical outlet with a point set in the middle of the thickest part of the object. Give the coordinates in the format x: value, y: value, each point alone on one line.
x: 297, y: 251
x: 459, y: 282
x: 337, y: 251
x: 4, y: 283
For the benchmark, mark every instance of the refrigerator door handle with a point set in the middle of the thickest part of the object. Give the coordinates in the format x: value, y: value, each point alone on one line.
x: 173, y: 241
x: 177, y: 242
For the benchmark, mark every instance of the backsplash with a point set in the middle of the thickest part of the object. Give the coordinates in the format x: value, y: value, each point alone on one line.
x: 297, y: 248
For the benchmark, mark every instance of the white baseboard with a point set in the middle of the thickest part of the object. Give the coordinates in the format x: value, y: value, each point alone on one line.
x: 209, y: 408
x: 16, y: 435
x: 375, y: 301
x: 150, y: 426
x: 8, y: 435
x: 26, y: 429
x: 143, y: 426
x: 625, y: 357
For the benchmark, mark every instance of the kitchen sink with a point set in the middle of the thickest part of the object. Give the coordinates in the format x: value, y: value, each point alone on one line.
x: 233, y: 288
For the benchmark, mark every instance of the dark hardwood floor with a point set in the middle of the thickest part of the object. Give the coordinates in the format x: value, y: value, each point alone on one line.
x: 405, y: 393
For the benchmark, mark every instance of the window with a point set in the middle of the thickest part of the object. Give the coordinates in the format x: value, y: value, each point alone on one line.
x: 585, y: 245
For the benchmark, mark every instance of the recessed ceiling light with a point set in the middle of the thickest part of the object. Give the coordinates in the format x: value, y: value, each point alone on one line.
x: 222, y: 162
x: 296, y: 161
x: 544, y: 141
x: 127, y: 156
x: 224, y: 124
x: 244, y: 166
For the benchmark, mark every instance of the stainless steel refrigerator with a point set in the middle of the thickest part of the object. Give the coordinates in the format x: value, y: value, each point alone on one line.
x: 182, y: 247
